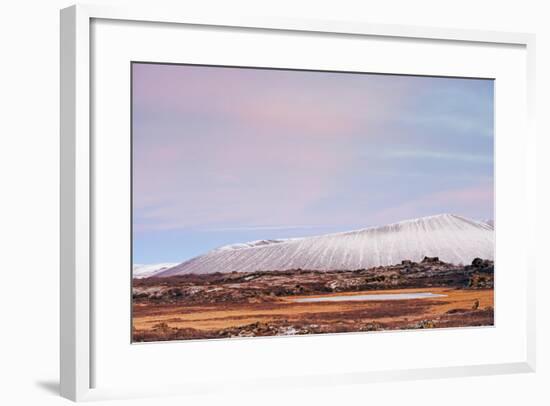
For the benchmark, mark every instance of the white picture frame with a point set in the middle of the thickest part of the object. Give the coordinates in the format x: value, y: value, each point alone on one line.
x: 77, y: 282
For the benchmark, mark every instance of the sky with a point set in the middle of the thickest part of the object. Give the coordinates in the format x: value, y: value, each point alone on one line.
x: 224, y: 155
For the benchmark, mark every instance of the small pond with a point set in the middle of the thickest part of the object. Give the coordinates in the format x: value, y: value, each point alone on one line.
x: 373, y: 296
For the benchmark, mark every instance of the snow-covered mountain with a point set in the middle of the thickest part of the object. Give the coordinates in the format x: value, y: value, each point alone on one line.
x: 452, y: 238
x: 250, y: 244
x: 145, y: 271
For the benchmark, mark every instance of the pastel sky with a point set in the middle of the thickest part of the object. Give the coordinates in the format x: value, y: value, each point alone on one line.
x: 224, y: 155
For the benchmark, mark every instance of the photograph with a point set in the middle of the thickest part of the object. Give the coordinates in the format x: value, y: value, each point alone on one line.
x: 281, y: 202
x: 275, y: 203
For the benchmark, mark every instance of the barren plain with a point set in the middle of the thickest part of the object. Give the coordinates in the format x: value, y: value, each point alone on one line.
x: 251, y: 304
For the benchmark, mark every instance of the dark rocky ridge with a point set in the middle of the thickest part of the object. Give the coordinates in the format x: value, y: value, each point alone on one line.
x: 266, y: 286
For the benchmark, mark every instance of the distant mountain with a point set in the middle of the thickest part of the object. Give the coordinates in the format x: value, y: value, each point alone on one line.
x: 452, y: 238
x: 145, y: 271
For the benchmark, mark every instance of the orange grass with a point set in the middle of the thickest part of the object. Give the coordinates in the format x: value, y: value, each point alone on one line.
x: 225, y: 315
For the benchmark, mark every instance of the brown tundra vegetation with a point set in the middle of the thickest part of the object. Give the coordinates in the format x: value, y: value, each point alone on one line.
x: 238, y: 304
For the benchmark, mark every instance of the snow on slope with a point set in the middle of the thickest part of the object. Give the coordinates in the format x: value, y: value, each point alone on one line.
x: 250, y: 244
x: 145, y: 271
x: 452, y: 238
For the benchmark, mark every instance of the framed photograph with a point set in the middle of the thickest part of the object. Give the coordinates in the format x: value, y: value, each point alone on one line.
x: 354, y: 200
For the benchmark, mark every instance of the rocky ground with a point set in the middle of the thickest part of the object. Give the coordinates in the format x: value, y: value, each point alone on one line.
x: 466, y: 317
x: 253, y: 304
x: 267, y: 286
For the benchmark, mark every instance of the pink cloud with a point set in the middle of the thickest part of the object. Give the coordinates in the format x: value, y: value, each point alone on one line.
x: 216, y: 146
x: 463, y: 201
